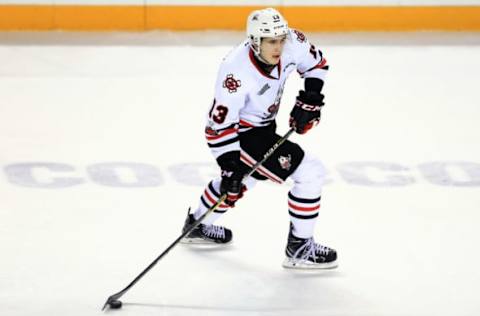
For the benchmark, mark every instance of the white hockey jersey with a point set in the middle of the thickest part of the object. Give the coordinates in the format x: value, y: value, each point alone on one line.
x: 246, y: 97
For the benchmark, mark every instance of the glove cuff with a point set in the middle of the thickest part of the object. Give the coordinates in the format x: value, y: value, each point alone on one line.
x: 310, y: 97
x: 313, y: 84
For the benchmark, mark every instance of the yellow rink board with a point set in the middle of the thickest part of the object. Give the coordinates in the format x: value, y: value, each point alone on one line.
x: 319, y: 18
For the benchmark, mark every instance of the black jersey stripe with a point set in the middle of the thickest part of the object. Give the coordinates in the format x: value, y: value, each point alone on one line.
x: 267, y: 122
x: 227, y: 142
x: 302, y: 216
x: 234, y: 125
x: 300, y: 200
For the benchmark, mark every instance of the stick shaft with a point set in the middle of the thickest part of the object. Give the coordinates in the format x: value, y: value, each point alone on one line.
x: 222, y: 198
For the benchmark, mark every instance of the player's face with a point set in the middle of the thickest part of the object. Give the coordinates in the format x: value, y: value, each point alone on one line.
x: 271, y: 48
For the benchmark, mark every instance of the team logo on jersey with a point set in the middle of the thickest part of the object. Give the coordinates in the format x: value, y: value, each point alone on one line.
x: 264, y: 89
x: 273, y: 109
x: 285, y: 162
x: 300, y: 36
x: 231, y: 83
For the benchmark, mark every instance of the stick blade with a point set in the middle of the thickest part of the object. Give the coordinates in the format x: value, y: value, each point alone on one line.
x: 109, y: 299
x: 105, y: 306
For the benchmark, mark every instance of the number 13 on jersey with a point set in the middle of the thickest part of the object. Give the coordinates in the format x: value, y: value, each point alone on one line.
x: 218, y: 112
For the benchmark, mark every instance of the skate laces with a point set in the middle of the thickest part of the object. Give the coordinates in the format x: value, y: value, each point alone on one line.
x: 213, y: 231
x: 311, y: 250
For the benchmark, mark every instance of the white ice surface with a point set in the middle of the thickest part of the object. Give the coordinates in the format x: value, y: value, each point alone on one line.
x: 84, y: 100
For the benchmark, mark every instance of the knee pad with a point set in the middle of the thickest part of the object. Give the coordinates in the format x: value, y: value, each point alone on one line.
x: 309, y: 177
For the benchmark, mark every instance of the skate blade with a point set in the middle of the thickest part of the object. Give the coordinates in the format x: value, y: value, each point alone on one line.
x: 202, y: 242
x: 290, y: 263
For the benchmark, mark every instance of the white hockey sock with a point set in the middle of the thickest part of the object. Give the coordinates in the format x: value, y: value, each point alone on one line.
x: 304, y: 197
x: 210, y: 196
x: 303, y: 215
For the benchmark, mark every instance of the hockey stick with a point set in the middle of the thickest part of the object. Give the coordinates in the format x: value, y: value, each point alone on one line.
x: 113, y: 301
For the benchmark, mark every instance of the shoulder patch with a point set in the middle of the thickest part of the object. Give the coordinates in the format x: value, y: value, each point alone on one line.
x: 300, y: 36
x: 231, y: 83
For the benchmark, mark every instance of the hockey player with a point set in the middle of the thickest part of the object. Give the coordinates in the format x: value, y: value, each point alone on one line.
x: 241, y: 128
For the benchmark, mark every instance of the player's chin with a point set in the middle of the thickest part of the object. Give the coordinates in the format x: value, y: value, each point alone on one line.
x: 275, y: 60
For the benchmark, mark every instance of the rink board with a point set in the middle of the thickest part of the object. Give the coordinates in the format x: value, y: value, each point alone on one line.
x: 328, y: 18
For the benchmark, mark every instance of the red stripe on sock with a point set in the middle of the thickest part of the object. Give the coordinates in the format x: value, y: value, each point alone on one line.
x: 303, y: 209
x: 213, y: 201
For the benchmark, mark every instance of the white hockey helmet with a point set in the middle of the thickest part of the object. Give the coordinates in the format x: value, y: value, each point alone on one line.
x: 265, y: 23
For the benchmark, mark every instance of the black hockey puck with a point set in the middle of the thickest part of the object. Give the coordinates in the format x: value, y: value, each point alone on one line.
x: 115, y: 304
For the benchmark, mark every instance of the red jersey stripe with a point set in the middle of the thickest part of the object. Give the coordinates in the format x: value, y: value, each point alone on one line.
x: 246, y: 124
x: 321, y: 64
x: 222, y: 134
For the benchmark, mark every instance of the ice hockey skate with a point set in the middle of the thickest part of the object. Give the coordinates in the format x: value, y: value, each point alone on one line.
x: 206, y: 234
x: 307, y: 254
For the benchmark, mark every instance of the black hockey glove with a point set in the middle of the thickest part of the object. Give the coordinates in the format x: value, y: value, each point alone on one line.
x: 306, y: 112
x: 232, y: 176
